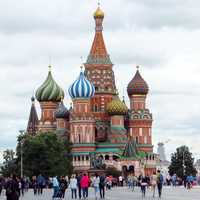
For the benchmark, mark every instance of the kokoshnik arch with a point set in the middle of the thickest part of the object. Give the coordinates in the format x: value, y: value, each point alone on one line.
x: 98, y: 121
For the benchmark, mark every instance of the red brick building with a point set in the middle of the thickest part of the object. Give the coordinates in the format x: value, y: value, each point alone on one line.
x: 98, y: 121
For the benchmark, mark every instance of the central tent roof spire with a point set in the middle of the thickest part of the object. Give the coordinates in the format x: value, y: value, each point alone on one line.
x: 98, y: 53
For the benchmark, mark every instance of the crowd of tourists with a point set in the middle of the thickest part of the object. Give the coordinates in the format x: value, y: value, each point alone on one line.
x: 79, y: 184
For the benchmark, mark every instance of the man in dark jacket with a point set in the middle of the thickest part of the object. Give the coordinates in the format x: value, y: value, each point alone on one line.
x: 40, y: 183
x: 63, y: 186
x: 160, y: 181
x: 79, y: 177
x: 12, y: 189
x: 102, y: 186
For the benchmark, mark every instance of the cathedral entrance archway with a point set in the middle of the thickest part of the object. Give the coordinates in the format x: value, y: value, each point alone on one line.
x: 131, y: 169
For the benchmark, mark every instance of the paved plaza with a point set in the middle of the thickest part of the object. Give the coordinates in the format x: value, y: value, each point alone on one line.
x: 124, y: 193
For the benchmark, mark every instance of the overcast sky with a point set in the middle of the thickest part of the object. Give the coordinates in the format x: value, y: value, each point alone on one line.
x: 161, y: 36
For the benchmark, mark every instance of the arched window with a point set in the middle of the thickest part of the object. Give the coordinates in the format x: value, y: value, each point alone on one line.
x: 79, y: 158
x: 96, y: 88
x: 106, y: 157
x: 137, y: 141
x: 96, y: 131
x: 131, y: 169
x: 82, y: 158
x: 115, y: 157
x: 95, y: 108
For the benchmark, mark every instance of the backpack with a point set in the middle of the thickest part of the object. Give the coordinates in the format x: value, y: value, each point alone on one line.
x: 160, y: 179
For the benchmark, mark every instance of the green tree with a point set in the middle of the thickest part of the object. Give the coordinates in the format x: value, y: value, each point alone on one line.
x: 9, y: 163
x: 44, y: 154
x: 182, y: 163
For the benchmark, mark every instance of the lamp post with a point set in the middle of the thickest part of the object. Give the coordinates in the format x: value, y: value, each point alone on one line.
x: 21, y: 153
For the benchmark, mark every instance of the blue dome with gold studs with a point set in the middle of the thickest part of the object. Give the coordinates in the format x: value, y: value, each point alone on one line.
x: 81, y: 88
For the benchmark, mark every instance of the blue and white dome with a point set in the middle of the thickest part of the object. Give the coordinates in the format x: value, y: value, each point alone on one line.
x: 81, y: 88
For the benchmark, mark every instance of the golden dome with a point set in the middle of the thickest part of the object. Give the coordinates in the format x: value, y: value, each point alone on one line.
x: 116, y: 107
x: 99, y: 13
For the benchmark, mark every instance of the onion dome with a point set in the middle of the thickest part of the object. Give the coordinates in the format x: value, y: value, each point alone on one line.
x: 116, y: 107
x: 81, y: 88
x: 137, y: 85
x: 62, y: 111
x: 49, y: 90
x: 98, y: 13
x: 33, y: 99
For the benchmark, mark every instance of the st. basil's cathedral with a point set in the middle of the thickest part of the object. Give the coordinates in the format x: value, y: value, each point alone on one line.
x: 98, y: 121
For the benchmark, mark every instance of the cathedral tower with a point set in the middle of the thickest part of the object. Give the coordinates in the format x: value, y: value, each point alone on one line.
x: 117, y: 110
x: 49, y: 94
x: 140, y: 119
x: 82, y: 123
x: 62, y: 119
x: 33, y: 119
x: 98, y: 69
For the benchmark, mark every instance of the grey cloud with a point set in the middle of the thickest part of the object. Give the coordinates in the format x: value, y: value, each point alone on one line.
x: 73, y: 20
x: 157, y: 14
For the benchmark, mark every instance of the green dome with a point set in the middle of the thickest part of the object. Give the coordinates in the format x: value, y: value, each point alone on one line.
x: 49, y: 90
x: 116, y: 107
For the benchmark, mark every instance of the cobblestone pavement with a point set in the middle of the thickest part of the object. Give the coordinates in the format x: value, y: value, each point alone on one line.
x: 169, y: 193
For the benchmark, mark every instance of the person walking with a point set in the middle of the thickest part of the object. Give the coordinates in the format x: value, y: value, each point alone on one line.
x: 79, y: 177
x: 84, y: 185
x: 102, y: 186
x: 174, y: 180
x: 63, y: 186
x: 34, y: 185
x: 189, y: 181
x: 55, y: 186
x: 40, y: 184
x: 153, y: 183
x: 143, y: 184
x: 135, y: 180
x: 12, y: 189
x: 22, y: 186
x: 121, y: 181
x: 95, y: 184
x: 1, y: 185
x: 160, y: 181
x: 73, y: 186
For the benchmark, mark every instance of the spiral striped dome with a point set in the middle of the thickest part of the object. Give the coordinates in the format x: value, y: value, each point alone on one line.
x: 81, y: 88
x: 49, y: 90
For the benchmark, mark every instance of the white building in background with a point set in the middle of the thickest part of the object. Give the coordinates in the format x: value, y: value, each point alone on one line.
x: 197, y: 166
x: 163, y: 164
x: 161, y: 151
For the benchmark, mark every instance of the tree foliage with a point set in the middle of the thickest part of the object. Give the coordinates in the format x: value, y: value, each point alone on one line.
x: 44, y: 154
x: 182, y: 163
x: 9, y: 164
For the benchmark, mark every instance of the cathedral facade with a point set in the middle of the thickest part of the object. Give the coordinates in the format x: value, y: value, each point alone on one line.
x: 98, y: 121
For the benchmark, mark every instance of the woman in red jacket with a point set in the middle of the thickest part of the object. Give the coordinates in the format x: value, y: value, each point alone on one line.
x: 85, y: 181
